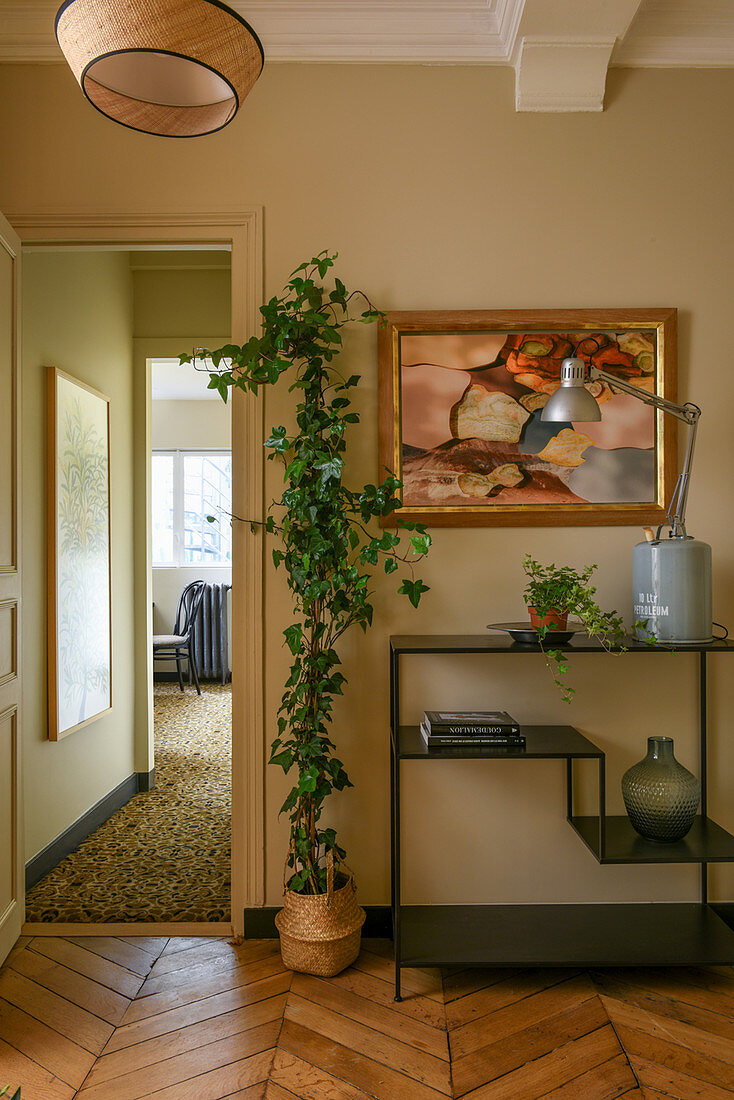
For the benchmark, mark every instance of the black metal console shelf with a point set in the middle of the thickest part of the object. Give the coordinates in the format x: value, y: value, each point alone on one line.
x: 659, y: 934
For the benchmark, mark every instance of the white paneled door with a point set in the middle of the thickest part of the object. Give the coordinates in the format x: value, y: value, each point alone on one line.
x: 12, y: 892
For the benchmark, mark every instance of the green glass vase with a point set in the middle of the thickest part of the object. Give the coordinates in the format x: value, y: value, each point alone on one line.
x: 661, y: 796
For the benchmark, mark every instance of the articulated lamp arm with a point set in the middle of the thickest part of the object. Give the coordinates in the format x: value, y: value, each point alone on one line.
x: 689, y: 414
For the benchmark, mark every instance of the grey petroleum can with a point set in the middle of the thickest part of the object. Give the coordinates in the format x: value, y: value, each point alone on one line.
x: 671, y: 581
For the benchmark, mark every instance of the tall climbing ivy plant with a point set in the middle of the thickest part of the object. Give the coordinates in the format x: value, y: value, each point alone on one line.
x: 327, y: 542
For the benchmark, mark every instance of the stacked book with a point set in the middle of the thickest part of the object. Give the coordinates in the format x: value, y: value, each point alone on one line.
x: 471, y: 730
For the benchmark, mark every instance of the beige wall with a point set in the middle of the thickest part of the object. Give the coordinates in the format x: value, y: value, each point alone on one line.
x: 438, y: 195
x: 77, y: 315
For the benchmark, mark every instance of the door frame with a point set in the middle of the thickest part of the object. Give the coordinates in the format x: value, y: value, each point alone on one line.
x: 11, y: 602
x: 242, y: 230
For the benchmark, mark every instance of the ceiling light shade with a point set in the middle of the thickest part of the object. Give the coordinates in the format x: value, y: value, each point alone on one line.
x: 178, y: 68
x: 571, y: 401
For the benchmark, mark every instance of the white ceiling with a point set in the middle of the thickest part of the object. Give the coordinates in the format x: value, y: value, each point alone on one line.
x: 543, y: 39
x: 174, y: 381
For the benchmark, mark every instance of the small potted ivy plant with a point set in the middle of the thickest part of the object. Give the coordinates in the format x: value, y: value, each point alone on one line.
x: 329, y: 550
x: 553, y: 593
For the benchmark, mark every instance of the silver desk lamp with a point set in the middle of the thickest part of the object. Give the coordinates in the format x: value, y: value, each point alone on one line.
x: 671, y: 577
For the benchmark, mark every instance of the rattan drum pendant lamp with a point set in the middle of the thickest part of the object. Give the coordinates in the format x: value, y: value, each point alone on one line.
x: 178, y: 68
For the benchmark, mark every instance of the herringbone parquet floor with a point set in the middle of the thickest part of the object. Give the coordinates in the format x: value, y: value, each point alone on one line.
x: 110, y: 1018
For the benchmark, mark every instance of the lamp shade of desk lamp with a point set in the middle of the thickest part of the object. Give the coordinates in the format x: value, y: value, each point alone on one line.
x: 671, y: 578
x: 572, y: 401
x: 176, y: 68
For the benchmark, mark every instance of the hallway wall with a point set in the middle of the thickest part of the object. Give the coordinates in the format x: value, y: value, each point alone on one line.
x: 77, y: 315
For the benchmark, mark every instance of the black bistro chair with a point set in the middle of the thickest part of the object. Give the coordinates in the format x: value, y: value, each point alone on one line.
x: 178, y: 646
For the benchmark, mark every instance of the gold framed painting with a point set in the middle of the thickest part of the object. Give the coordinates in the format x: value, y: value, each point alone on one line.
x: 78, y: 537
x: 461, y: 397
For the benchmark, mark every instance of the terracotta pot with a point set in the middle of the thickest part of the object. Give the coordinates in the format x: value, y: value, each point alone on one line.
x: 557, y: 620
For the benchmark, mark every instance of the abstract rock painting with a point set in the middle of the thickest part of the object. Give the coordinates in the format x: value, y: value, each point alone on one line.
x: 462, y: 429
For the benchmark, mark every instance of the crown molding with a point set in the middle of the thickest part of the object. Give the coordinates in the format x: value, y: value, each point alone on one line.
x: 665, y: 33
x: 428, y: 31
x: 27, y: 32
x: 509, y: 17
x: 560, y: 53
x: 679, y: 33
x: 674, y: 53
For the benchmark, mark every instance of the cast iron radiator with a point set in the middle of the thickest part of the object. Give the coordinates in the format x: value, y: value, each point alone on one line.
x: 210, y: 644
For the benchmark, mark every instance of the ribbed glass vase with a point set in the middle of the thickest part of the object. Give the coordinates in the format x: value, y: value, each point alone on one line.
x: 661, y: 795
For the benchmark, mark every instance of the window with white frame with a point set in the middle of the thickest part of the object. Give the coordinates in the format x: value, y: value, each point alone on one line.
x: 189, y: 486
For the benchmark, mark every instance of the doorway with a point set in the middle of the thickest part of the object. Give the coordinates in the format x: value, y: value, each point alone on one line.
x: 243, y: 237
x: 191, y: 532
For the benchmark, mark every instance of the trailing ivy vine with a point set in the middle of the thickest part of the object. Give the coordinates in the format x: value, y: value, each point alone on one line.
x: 563, y: 589
x: 328, y: 546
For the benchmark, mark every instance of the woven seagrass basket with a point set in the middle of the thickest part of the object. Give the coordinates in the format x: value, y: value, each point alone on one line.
x: 320, y: 933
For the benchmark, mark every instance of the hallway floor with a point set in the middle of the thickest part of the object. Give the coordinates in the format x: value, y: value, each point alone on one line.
x: 110, y: 1018
x: 165, y: 856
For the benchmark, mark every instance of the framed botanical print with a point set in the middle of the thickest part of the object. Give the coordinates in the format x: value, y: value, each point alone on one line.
x: 79, y: 607
x: 461, y: 398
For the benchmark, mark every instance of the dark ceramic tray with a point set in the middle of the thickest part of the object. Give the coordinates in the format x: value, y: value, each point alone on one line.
x: 525, y: 634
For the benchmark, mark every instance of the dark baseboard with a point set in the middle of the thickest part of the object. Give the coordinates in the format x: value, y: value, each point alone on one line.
x: 260, y: 922
x: 146, y: 780
x: 68, y: 841
x: 378, y: 925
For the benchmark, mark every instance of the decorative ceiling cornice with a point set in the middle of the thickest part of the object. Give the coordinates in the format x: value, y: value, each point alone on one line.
x: 674, y: 33
x: 560, y: 52
x: 27, y: 32
x: 428, y: 31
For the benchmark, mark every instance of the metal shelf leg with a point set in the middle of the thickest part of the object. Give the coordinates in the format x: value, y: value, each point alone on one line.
x: 396, y: 872
x: 703, y: 736
x: 395, y: 811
